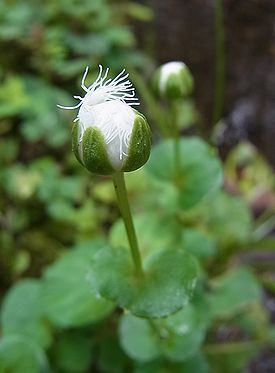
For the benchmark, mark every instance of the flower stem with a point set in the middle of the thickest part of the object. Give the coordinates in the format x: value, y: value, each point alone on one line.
x: 121, y: 193
x: 175, y: 131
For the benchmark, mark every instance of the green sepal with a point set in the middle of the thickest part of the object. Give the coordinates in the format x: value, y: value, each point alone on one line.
x: 187, y: 82
x: 179, y: 85
x: 140, y: 144
x: 75, y: 143
x: 95, y: 157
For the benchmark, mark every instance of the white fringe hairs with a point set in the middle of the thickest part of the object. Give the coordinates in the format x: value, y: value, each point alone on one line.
x: 102, y: 90
x: 118, y: 90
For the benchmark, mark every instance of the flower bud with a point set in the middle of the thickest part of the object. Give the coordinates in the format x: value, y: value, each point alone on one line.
x: 108, y: 134
x: 173, y: 80
x: 111, y: 137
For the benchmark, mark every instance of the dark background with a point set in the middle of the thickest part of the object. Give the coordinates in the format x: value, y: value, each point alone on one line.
x: 185, y: 30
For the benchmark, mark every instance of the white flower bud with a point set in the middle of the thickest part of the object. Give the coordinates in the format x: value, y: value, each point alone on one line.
x: 173, y: 80
x: 109, y: 135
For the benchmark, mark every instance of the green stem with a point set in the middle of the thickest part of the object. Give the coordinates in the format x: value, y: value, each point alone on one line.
x: 121, y: 193
x: 175, y: 132
x: 219, y: 62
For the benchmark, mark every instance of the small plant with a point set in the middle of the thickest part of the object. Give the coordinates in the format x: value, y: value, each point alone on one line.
x: 160, y: 287
x: 109, y: 138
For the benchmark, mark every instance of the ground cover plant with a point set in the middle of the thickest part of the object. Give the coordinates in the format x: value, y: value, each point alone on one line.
x: 150, y: 267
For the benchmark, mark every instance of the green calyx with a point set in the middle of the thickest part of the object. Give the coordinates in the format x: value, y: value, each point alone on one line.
x: 91, y: 152
x: 179, y: 85
x: 75, y: 143
x: 140, y: 144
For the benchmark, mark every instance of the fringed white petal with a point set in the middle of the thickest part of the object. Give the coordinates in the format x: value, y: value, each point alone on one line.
x: 107, y: 106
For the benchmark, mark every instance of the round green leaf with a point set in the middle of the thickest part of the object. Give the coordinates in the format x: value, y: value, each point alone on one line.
x: 166, y: 286
x: 185, y: 331
x: 18, y: 355
x: 200, y: 171
x: 177, y: 337
x: 139, y: 339
x: 230, y: 220
x: 67, y: 296
x: 22, y: 313
x: 233, y: 291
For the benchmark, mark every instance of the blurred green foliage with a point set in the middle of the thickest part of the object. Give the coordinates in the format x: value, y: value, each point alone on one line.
x: 46, y: 45
x: 54, y: 216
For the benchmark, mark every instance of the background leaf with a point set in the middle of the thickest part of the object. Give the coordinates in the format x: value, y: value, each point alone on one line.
x: 23, y: 315
x: 18, y: 355
x: 139, y: 339
x: 154, y: 231
x: 67, y: 297
x: 233, y: 291
x: 200, y: 170
x: 177, y: 337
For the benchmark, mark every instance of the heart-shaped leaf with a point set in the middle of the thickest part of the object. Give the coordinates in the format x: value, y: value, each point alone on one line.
x: 166, y: 285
